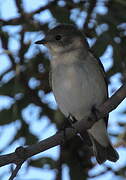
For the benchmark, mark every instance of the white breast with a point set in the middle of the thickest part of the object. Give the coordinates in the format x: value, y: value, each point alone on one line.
x: 77, y: 87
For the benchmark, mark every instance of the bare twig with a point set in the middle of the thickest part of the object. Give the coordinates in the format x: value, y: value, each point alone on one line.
x: 14, y: 173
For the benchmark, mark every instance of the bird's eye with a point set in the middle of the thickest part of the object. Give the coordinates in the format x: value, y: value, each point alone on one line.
x: 58, y: 37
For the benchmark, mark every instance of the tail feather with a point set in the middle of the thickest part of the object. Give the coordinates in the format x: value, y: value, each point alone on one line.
x: 104, y: 153
x: 112, y: 154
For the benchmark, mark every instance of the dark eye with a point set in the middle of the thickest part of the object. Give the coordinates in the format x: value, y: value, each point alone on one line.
x: 58, y: 37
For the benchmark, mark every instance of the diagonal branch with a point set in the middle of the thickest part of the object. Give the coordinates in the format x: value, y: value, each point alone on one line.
x: 23, y: 153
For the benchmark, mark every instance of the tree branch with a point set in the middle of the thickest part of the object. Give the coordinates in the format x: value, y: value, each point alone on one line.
x: 23, y: 153
x: 14, y: 173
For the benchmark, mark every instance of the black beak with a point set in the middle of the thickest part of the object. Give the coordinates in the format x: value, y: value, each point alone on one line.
x: 43, y: 41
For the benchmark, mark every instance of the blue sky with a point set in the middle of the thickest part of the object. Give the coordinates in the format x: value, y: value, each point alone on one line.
x: 8, y: 11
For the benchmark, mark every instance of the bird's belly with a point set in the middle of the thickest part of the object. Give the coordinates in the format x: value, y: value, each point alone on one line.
x: 76, y: 92
x: 72, y: 100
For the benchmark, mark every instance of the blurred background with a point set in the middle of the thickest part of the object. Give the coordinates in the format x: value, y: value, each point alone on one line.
x: 28, y: 111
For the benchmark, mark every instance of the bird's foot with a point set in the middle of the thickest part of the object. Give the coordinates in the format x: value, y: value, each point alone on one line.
x: 68, y: 123
x: 72, y: 120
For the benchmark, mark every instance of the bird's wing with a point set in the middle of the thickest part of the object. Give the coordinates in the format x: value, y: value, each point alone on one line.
x: 106, y: 82
x: 105, y: 79
x: 104, y: 75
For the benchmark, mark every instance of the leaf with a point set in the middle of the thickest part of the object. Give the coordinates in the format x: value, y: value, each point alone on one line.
x: 61, y: 14
x: 44, y: 161
x: 8, y: 115
x: 25, y: 132
x: 11, y: 88
x: 101, y: 44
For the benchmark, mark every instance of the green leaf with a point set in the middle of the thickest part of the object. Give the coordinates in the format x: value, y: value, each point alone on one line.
x: 25, y: 132
x: 61, y: 14
x: 8, y: 115
x: 101, y: 44
x: 44, y: 161
x: 11, y: 88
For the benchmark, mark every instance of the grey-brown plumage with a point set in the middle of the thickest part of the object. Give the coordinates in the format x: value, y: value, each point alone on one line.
x: 78, y: 83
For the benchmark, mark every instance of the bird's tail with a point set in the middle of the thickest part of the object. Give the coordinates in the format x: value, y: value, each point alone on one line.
x: 102, y: 147
x: 104, y: 153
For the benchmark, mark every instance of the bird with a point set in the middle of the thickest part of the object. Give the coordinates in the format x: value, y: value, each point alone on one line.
x: 79, y: 83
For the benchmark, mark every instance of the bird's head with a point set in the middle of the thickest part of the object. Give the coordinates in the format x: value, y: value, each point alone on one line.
x: 63, y: 38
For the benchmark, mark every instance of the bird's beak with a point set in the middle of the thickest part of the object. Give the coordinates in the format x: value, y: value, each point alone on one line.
x: 43, y: 41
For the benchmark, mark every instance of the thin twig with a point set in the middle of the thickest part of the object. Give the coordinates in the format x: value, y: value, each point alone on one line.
x: 14, y: 173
